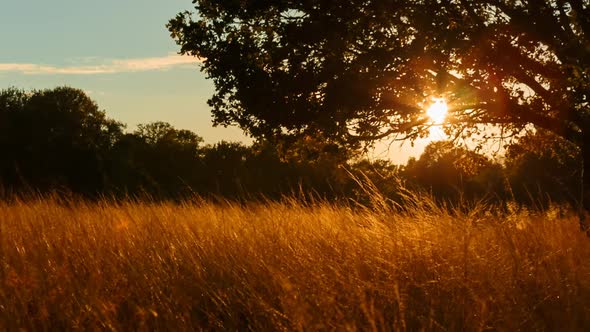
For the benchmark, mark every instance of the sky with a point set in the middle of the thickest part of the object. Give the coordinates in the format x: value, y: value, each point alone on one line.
x: 121, y: 54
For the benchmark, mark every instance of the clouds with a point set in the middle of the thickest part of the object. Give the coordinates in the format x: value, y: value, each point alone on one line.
x: 103, y: 67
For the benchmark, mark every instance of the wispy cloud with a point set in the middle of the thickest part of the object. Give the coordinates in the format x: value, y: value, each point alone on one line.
x: 106, y: 67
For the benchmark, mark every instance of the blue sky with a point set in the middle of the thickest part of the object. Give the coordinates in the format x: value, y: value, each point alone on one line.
x: 121, y: 54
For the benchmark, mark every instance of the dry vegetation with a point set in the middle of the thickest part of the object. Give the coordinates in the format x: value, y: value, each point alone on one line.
x: 192, y: 266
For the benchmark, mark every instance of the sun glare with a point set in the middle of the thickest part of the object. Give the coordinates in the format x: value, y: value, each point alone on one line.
x: 438, y: 111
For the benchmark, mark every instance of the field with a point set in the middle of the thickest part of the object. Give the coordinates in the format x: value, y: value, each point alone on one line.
x: 70, y: 264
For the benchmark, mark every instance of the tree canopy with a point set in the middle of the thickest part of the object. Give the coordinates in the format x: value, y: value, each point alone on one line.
x: 52, y: 138
x: 363, y: 69
x: 450, y: 172
x: 544, y: 166
x: 357, y: 71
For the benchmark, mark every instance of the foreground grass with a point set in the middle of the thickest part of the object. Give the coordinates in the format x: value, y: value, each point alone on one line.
x: 277, y: 266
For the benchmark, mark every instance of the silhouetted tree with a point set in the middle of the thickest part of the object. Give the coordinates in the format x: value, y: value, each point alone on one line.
x: 157, y: 159
x: 543, y: 167
x: 364, y: 70
x: 268, y: 173
x: 54, y: 138
x: 59, y: 139
x: 321, y: 162
x: 370, y: 175
x: 452, y: 172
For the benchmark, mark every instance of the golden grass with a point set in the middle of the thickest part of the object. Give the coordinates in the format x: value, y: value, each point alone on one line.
x: 283, y: 266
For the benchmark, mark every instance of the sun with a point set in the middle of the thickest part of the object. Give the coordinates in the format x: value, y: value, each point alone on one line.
x: 438, y: 111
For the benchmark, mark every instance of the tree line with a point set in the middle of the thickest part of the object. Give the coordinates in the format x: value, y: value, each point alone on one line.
x: 58, y: 140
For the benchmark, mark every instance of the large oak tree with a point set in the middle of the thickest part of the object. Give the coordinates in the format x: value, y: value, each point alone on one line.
x: 361, y: 70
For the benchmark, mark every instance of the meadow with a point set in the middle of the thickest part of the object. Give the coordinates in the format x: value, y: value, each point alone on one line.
x: 71, y: 264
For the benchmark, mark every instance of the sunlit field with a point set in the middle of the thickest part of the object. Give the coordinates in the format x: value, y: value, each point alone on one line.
x: 285, y: 266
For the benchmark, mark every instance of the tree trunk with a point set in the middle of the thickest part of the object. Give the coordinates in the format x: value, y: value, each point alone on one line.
x: 585, y: 190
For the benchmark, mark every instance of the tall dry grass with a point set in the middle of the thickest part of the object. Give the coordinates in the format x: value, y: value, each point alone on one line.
x: 285, y: 266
